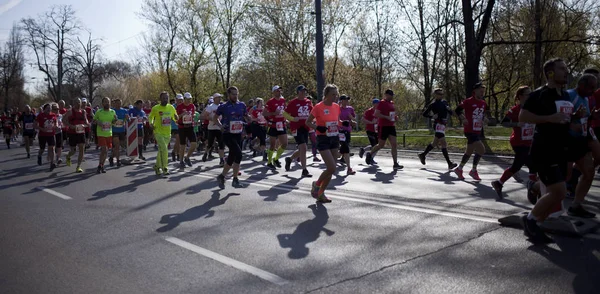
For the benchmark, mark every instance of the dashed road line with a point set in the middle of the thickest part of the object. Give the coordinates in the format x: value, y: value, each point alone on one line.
x: 52, y: 192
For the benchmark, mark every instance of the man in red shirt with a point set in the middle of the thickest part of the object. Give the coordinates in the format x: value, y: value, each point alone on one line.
x: 186, y: 111
x: 472, y: 113
x: 277, y: 131
x: 386, y: 115
x: 76, y: 120
x: 370, y: 122
x: 46, y: 124
x: 85, y: 105
x: 297, y: 111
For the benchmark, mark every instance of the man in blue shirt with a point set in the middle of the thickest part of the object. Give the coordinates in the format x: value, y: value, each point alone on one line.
x: 234, y: 116
x: 119, y: 131
x: 138, y: 114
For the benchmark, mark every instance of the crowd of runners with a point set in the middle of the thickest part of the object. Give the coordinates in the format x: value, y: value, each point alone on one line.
x: 553, y: 134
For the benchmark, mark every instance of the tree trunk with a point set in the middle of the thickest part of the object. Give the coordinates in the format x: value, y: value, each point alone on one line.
x: 537, y: 58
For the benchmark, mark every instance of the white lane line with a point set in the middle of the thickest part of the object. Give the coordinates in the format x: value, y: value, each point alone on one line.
x: 52, y: 192
x: 277, y: 280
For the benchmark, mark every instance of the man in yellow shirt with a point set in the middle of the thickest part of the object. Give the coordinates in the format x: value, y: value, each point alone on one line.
x: 160, y: 121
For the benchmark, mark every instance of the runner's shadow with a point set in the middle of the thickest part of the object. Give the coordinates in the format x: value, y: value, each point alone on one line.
x: 512, y: 203
x: 274, y: 192
x: 385, y: 178
x: 306, y: 232
x: 131, y: 187
x: 337, y: 180
x: 370, y: 169
x: 205, y: 210
x: 445, y: 177
x: 482, y: 190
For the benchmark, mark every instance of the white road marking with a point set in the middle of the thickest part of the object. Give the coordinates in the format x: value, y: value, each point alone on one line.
x: 277, y: 280
x: 52, y: 192
x: 593, y: 236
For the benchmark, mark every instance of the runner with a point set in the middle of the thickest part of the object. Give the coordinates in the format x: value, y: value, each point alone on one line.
x: 118, y: 132
x: 550, y: 110
x: 27, y: 120
x: 62, y: 110
x: 76, y: 121
x: 348, y: 119
x: 472, y: 115
x: 214, y: 130
x: 175, y: 130
x: 140, y: 116
x: 185, y: 124
x: 386, y: 115
x: 46, y: 123
x: 58, y: 136
x: 248, y: 129
x: 520, y: 141
x: 277, y: 132
x: 297, y: 111
x: 160, y: 121
x: 90, y: 115
x: 8, y: 125
x: 104, y: 120
x: 259, y: 128
x: 327, y: 115
x: 197, y: 129
x: 371, y: 127
x: 148, y: 135
x: 441, y: 113
x: 233, y: 115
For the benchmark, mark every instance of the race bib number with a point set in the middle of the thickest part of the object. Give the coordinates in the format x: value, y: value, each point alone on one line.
x: 342, y: 137
x: 393, y: 116
x: 80, y: 129
x: 564, y: 107
x: 105, y: 126
x: 140, y: 120
x: 584, y: 126
x: 29, y: 126
x: 279, y: 126
x: 236, y: 127
x: 262, y: 120
x: 332, y: 129
x: 294, y: 133
x: 166, y: 121
x: 303, y: 111
x: 440, y: 128
x: 48, y: 126
x: 187, y: 119
x: 527, y: 132
x: 119, y: 123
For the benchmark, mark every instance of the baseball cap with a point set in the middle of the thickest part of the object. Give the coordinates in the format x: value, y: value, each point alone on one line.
x: 344, y: 97
x: 375, y: 100
x: 275, y: 88
x: 300, y: 88
x: 478, y: 85
x: 83, y: 100
x: 217, y: 95
x: 211, y: 100
x: 187, y: 95
x: 179, y: 97
x: 389, y: 92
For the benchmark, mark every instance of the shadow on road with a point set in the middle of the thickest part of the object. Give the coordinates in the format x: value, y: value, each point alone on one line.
x: 306, y: 232
x: 131, y: 187
x: 274, y: 192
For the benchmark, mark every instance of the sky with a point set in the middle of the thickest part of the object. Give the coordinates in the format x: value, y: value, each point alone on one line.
x: 114, y: 21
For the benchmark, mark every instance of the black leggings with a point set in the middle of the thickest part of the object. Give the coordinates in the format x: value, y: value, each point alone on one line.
x: 233, y: 142
x: 521, y: 158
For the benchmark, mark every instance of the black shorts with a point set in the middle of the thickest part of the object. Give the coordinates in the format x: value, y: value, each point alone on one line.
x: 30, y: 134
x: 140, y: 133
x: 122, y: 136
x: 187, y: 134
x: 7, y: 131
x: 372, y: 136
x: 301, y: 136
x: 552, y: 173
x: 577, y: 148
x: 386, y: 131
x: 328, y: 143
x: 260, y: 132
x: 50, y: 140
x: 59, y: 140
x: 273, y: 132
x: 174, y: 132
x: 472, y: 138
x: 248, y: 130
x: 76, y: 139
x: 215, y: 135
x: 87, y: 133
x: 345, y: 143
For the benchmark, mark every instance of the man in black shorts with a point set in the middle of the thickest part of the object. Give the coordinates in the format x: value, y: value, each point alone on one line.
x: 441, y: 113
x: 386, y: 114
x: 548, y: 107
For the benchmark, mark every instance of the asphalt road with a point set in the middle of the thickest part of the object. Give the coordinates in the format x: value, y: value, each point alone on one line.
x: 418, y: 230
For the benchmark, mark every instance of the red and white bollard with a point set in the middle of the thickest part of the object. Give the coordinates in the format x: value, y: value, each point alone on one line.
x: 132, y: 142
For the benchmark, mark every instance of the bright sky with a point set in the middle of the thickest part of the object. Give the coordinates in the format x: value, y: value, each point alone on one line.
x: 114, y: 21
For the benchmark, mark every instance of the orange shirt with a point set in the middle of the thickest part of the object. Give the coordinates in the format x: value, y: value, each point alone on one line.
x: 327, y: 116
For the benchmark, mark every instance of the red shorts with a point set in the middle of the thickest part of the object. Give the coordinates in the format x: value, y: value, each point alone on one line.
x: 105, y: 142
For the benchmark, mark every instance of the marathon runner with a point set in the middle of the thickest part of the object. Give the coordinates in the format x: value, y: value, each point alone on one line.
x: 140, y: 116
x: 185, y: 124
x: 160, y: 118
x: 58, y: 133
x: 119, y: 132
x: 259, y: 128
x: 520, y: 141
x: 46, y: 123
x: 550, y: 110
x: 27, y: 120
x: 371, y: 127
x: 472, y: 115
x: 233, y: 115
x: 148, y: 135
x: 15, y: 115
x: 347, y: 119
x: 277, y: 132
x: 76, y: 121
x: 8, y: 125
x: 90, y: 115
x: 214, y: 130
x: 62, y: 110
x: 248, y: 130
x: 297, y: 111
x: 386, y: 115
x: 327, y: 116
x: 104, y: 120
x: 175, y: 130
x: 441, y: 113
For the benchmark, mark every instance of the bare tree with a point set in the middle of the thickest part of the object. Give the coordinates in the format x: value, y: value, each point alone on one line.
x: 51, y: 39
x: 473, y: 14
x: 11, y: 64
x: 87, y: 64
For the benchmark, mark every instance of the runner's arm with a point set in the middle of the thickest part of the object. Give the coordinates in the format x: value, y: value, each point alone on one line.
x: 309, y: 122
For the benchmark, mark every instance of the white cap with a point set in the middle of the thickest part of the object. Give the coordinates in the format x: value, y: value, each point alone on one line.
x: 84, y: 100
x: 275, y: 88
x: 211, y: 101
x: 187, y: 95
x: 215, y: 95
x: 179, y: 97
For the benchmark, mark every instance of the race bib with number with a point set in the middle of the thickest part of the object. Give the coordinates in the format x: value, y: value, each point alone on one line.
x: 48, y: 126
x: 527, y: 131
x: 332, y: 129
x: 166, y: 121
x: 29, y: 126
x: 564, y: 107
x: 140, y: 120
x: 119, y: 123
x: 187, y: 119
x: 262, y: 120
x: 279, y: 126
x: 105, y: 126
x: 477, y: 124
x: 236, y: 127
x: 342, y: 137
x: 440, y: 128
x: 80, y: 129
x: 393, y: 116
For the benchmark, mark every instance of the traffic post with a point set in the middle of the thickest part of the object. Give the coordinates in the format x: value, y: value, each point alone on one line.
x: 132, y: 143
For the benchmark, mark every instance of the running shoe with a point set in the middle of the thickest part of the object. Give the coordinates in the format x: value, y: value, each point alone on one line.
x: 323, y: 199
x: 142, y: 158
x: 157, y: 170
x: 459, y: 173
x: 103, y: 170
x: 78, y: 170
x: 277, y: 163
x: 181, y: 165
x: 68, y: 160
x: 188, y: 161
x: 253, y: 153
x: 422, y: 158
x: 288, y: 164
x: 498, y: 188
x: 52, y: 166
x: 118, y: 162
x: 351, y: 154
x: 369, y: 158
x: 173, y: 157
x: 452, y: 165
x: 396, y: 165
x: 581, y: 212
x: 361, y: 152
x: 534, y: 232
x: 204, y: 157
x: 59, y: 161
x: 271, y: 166
x: 166, y: 172
x: 39, y: 160
x: 517, y: 178
x: 111, y: 162
x: 236, y: 183
x: 531, y: 195
x: 350, y: 171
x: 99, y: 170
x: 306, y: 174
x: 314, y: 191
x: 265, y: 156
x: 475, y: 175
x: 373, y: 161
x: 221, y: 181
x: 316, y: 159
